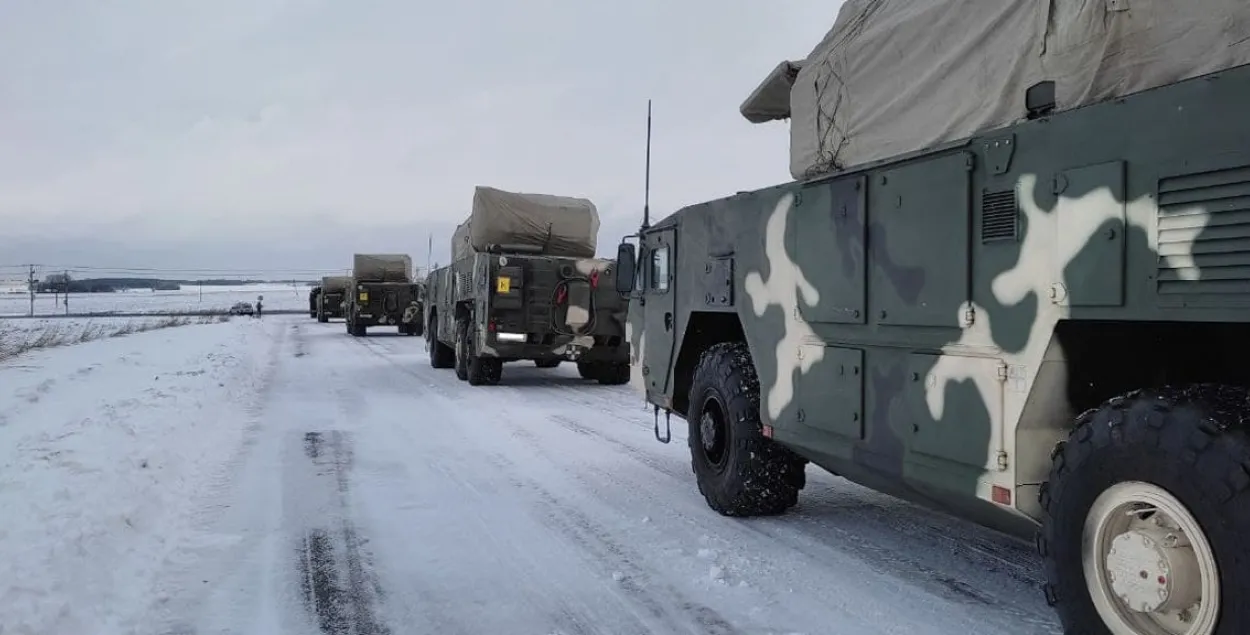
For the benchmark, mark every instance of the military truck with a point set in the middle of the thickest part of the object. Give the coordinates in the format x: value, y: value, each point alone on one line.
x: 380, y: 291
x: 313, y: 294
x: 1009, y: 282
x: 333, y: 295
x: 524, y: 285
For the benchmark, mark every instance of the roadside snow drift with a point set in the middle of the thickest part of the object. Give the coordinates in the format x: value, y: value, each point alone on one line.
x: 106, y: 450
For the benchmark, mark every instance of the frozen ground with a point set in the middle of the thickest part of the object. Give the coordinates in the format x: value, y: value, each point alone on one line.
x: 189, y: 298
x: 278, y: 476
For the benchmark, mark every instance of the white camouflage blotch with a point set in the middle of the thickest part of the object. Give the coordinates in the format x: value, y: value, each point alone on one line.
x: 782, y: 289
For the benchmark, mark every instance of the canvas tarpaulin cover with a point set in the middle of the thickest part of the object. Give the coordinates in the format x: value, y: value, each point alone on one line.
x: 382, y: 267
x: 461, y: 245
x: 894, y: 76
x: 558, y: 225
x: 335, y: 284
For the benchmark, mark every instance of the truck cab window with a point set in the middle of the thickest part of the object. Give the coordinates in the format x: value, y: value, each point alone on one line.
x: 659, y: 269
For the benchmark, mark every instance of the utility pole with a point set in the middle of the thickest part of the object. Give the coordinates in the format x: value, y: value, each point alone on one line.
x: 30, y: 284
x: 66, y: 274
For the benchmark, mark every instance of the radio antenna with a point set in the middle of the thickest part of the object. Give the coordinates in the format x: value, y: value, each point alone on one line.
x: 646, y: 200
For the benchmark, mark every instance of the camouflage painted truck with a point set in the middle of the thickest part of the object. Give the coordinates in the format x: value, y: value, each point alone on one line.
x: 1010, y: 281
x: 379, y: 293
x: 524, y: 285
x: 333, y: 295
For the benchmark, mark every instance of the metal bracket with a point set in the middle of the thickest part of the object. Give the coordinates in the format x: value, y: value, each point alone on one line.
x: 999, y: 152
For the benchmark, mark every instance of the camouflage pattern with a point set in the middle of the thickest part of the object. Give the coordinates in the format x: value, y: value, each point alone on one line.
x: 931, y: 325
x: 529, y: 307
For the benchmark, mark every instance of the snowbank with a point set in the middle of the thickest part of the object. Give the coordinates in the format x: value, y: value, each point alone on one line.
x: 106, y: 449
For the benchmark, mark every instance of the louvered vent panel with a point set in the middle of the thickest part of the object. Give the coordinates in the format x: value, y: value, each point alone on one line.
x: 1204, y: 233
x: 999, y: 216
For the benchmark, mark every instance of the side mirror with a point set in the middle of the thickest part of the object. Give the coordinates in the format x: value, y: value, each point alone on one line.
x: 626, y: 267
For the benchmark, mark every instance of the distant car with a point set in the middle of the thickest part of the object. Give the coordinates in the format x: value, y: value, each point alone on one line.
x: 242, y: 308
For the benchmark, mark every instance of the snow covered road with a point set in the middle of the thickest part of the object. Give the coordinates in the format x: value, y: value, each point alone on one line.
x: 351, y: 488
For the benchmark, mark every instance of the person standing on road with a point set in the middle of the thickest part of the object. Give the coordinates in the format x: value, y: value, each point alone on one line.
x: 259, y: 305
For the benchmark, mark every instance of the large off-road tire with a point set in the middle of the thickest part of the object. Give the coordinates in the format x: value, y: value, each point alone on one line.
x: 462, y: 350
x: 740, y: 472
x: 1182, y: 457
x: 441, y: 355
x: 613, y: 373
x: 322, y: 318
x: 547, y: 363
x: 478, y: 371
x: 588, y: 370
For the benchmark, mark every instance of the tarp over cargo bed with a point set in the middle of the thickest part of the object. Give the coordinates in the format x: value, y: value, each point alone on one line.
x: 335, y: 284
x: 894, y: 76
x: 382, y: 267
x: 558, y: 225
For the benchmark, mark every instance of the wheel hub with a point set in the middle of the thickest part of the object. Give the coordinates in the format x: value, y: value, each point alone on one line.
x: 707, y: 431
x: 1152, y: 569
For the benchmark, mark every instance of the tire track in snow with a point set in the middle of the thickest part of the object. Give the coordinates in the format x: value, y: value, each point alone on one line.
x: 339, y: 589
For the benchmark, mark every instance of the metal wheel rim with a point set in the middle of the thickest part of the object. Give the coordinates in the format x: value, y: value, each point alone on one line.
x: 1111, y: 515
x: 714, y: 433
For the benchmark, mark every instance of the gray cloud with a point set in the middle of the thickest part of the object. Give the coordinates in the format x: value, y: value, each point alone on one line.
x: 226, y: 129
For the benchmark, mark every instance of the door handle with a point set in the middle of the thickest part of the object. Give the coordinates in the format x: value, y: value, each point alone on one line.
x: 668, y: 321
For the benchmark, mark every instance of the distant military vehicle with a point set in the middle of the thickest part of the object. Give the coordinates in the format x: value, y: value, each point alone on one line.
x: 1010, y: 282
x: 332, y: 297
x: 525, y: 285
x: 380, y: 291
x: 313, y: 294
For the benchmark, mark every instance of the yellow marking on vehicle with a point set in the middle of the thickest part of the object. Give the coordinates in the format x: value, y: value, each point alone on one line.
x: 503, y: 284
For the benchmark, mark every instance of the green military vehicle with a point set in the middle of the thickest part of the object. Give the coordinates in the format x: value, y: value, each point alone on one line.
x: 524, y: 285
x: 313, y: 294
x: 379, y: 293
x: 1010, y: 281
x: 332, y: 297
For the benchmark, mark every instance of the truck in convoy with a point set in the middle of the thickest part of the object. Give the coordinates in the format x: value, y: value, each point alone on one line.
x: 313, y: 294
x: 332, y: 296
x: 379, y: 293
x: 524, y: 284
x: 1010, y: 280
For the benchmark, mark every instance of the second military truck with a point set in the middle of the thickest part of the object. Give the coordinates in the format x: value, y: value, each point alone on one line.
x: 330, y: 298
x: 525, y: 285
x: 379, y: 294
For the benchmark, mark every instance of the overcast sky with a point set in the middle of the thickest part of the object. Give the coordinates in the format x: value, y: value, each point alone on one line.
x: 284, y: 135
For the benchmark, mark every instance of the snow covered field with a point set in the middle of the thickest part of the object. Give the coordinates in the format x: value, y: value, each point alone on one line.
x: 277, y: 297
x: 278, y: 476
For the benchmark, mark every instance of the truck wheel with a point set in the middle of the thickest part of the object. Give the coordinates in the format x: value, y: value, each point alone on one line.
x: 740, y: 472
x: 589, y: 370
x: 1145, y: 515
x: 462, y: 350
x: 547, y: 363
x: 478, y: 370
x: 614, y: 374
x: 321, y: 317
